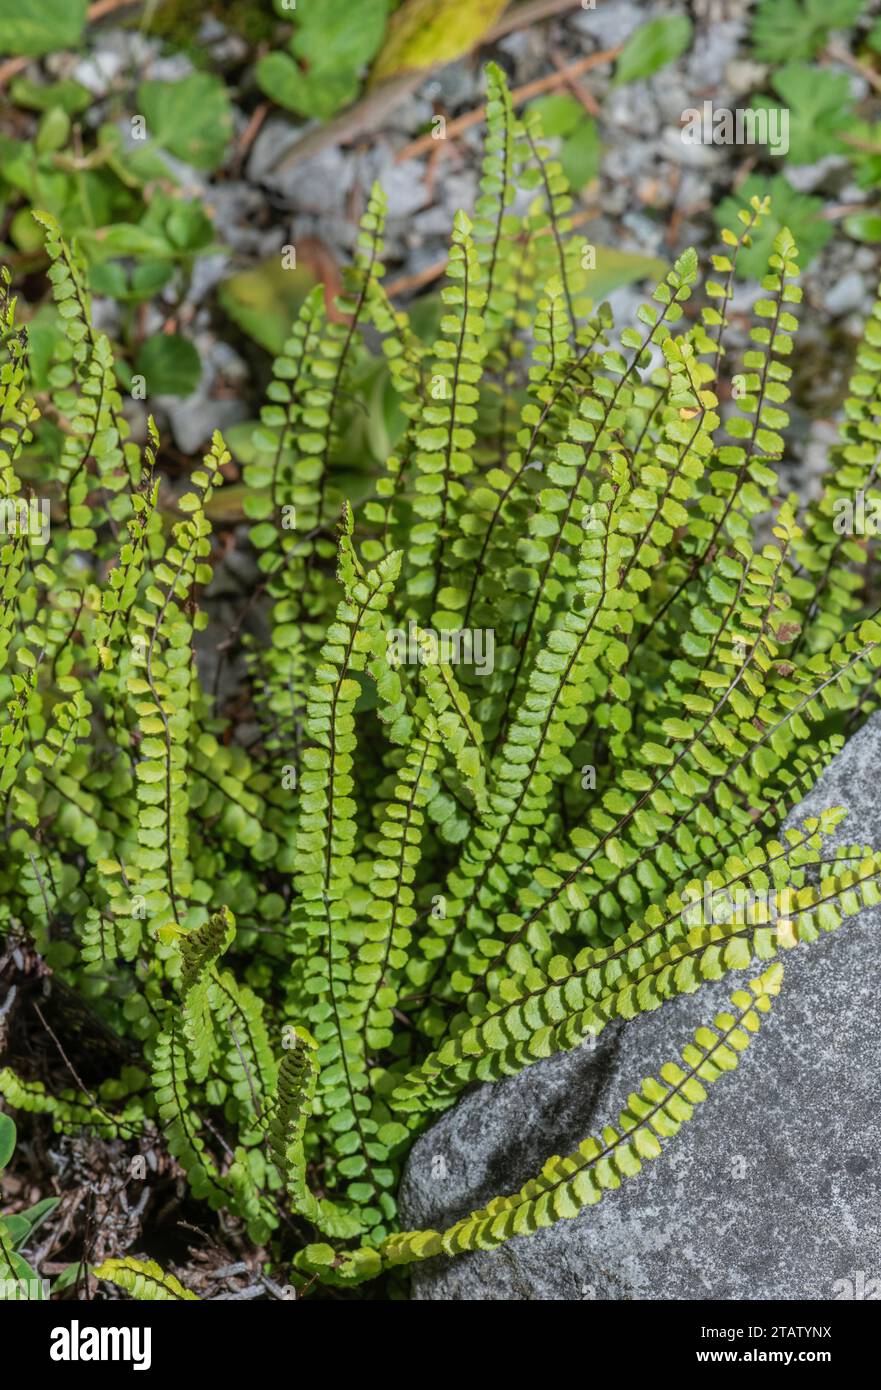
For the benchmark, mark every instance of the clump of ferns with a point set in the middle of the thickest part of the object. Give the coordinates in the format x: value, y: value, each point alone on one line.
x: 427, y: 873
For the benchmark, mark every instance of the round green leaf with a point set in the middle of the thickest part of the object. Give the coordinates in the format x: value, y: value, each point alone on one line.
x: 7, y: 1138
x: 192, y: 119
x: 169, y: 364
x: 652, y: 46
x: 33, y: 27
x: 864, y: 226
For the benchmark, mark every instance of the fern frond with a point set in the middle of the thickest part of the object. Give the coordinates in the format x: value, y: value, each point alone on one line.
x: 144, y: 1280
x: 297, y: 1076
x: 537, y: 1013
x: 654, y: 1114
x: 444, y: 436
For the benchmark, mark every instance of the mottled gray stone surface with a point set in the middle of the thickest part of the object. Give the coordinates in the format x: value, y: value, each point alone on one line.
x: 771, y: 1191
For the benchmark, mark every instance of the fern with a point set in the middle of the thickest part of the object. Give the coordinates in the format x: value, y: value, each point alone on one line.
x: 423, y: 870
x: 144, y: 1280
x: 656, y: 1111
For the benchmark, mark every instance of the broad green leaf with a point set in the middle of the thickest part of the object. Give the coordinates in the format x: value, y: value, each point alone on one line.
x: 71, y: 96
x: 863, y: 226
x: 124, y: 239
x: 317, y: 94
x: 33, y: 27
x: 615, y: 268
x: 338, y: 34
x: 36, y: 1215
x: 22, y: 1282
x: 133, y: 282
x: 652, y: 46
x: 53, y: 131
x: 333, y: 43
x: 7, y: 1138
x: 192, y: 118
x: 169, y: 364
x: 559, y: 113
x: 580, y: 153
x: 265, y: 301
x: 425, y: 33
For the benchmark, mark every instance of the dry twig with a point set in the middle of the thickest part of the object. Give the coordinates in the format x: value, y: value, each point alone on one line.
x: 519, y: 95
x: 406, y: 284
x: 840, y: 54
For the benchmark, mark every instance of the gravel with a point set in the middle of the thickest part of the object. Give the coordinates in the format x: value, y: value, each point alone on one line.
x: 649, y: 176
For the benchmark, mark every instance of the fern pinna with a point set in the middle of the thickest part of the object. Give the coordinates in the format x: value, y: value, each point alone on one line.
x: 529, y: 712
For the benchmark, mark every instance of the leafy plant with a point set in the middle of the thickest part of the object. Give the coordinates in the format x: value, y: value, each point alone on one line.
x: 817, y: 102
x: 863, y: 139
x: 799, y: 212
x: 327, y: 55
x: 529, y: 722
x: 652, y: 46
x: 33, y: 27
x: 18, y: 1280
x: 191, y: 118
x: 139, y: 236
x: 821, y: 117
x: 796, y: 29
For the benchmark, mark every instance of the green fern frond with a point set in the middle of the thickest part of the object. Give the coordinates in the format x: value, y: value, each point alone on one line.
x: 566, y: 1186
x: 144, y: 1280
x: 415, y: 871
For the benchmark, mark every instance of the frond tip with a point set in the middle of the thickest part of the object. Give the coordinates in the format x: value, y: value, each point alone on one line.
x: 145, y: 1281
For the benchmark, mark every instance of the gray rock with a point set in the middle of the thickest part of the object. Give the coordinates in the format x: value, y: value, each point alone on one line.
x: 807, y: 177
x: 208, y: 271
x: 318, y: 185
x: 712, y: 50
x: 225, y: 47
x: 689, y: 156
x: 609, y: 25
x: 403, y: 187
x: 455, y: 84
x: 743, y: 75
x: 771, y: 1191
x: 822, y: 437
x: 97, y: 73
x: 848, y: 295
